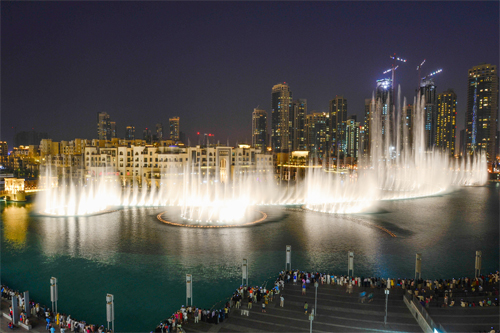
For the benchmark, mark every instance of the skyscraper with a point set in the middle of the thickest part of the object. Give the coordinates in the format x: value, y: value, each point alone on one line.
x: 366, y: 127
x: 338, y: 120
x: 281, y: 110
x: 352, y: 139
x: 259, y: 128
x: 130, y: 133
x: 428, y: 92
x: 298, y: 124
x: 112, y: 126
x: 174, y: 128
x: 407, y: 126
x: 159, y: 131
x: 146, y: 135
x: 103, y: 126
x: 446, y: 121
x: 481, y: 120
x: 383, y: 99
x: 316, y: 126
x: 381, y: 120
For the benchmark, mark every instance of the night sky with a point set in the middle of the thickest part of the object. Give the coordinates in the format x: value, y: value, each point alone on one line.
x: 212, y: 63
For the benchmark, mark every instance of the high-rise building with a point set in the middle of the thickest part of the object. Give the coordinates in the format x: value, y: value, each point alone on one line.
x: 130, y: 133
x: 159, y: 131
x: 174, y: 128
x: 4, y: 152
x: 259, y: 129
x: 481, y: 120
x: 352, y: 137
x: 407, y: 126
x: 462, y: 145
x: 113, y: 129
x: 316, y: 126
x: 298, y: 124
x: 146, y: 135
x: 26, y: 138
x: 338, y: 120
x: 428, y: 93
x: 281, y: 110
x: 103, y: 126
x: 366, y: 127
x: 383, y: 99
x: 446, y: 121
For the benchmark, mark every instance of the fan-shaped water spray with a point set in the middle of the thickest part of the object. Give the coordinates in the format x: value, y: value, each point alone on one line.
x: 395, y: 168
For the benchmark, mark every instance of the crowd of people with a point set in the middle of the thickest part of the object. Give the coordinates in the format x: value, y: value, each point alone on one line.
x: 473, y: 292
x: 65, y: 323
x: 243, y: 295
x: 428, y: 291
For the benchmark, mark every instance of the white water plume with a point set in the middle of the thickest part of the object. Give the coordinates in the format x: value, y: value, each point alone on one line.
x: 396, y: 168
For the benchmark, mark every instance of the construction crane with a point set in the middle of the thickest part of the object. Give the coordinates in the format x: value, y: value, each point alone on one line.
x: 390, y: 69
x: 393, y: 69
x: 432, y: 74
x: 419, y: 68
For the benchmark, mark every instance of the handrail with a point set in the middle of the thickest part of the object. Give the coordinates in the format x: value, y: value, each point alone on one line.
x: 423, y: 312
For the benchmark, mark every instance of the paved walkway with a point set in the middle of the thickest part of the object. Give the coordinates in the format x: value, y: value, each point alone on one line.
x: 458, y: 319
x: 338, y: 312
x: 38, y: 325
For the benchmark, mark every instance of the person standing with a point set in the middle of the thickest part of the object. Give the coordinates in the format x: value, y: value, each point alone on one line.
x: 282, y: 301
x: 305, y: 308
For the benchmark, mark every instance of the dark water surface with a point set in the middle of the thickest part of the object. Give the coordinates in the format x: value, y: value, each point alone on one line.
x: 143, y: 262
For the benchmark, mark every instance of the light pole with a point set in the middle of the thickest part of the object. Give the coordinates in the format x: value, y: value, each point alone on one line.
x: 53, y: 292
x: 350, y: 263
x: 244, y: 273
x: 418, y: 266
x: 110, y: 311
x: 311, y: 318
x: 189, y: 289
x: 288, y: 257
x: 316, y: 297
x: 478, y: 263
x: 27, y: 305
x: 386, y: 300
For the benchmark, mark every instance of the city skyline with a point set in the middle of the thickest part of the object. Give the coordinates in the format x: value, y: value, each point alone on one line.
x: 213, y: 63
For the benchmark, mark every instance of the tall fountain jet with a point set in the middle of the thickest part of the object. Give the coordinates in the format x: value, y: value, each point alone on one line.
x: 396, y: 168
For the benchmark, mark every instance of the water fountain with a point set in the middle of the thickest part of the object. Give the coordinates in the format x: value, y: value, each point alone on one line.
x: 395, y: 169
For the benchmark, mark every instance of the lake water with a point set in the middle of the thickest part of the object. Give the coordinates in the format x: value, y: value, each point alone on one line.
x: 143, y: 262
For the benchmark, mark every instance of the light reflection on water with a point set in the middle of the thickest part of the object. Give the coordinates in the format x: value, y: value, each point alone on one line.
x: 142, y: 261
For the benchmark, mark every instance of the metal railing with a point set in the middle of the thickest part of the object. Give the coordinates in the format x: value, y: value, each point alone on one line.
x: 423, y: 312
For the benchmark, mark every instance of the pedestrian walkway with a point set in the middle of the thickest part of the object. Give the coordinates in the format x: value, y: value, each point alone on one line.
x: 459, y: 319
x: 38, y: 324
x: 338, y: 311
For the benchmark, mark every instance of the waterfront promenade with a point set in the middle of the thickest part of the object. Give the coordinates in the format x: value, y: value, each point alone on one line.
x: 341, y: 311
x: 338, y: 311
x: 340, y: 307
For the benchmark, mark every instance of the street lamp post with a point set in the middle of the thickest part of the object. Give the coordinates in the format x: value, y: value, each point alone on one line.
x: 311, y: 318
x: 53, y: 292
x: 110, y: 311
x: 386, y: 300
x: 244, y: 273
x: 350, y: 263
x: 478, y: 263
x: 288, y: 257
x: 316, y: 297
x: 418, y: 266
x: 189, y: 289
